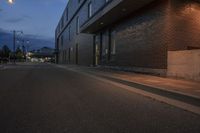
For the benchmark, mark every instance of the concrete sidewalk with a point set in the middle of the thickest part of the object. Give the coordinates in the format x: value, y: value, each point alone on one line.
x: 190, y: 88
x: 176, y: 92
x: 1, y: 66
x: 180, y: 86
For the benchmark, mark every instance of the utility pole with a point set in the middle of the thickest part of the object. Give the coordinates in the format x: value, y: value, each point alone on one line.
x: 27, y: 48
x: 14, y: 44
x: 14, y: 41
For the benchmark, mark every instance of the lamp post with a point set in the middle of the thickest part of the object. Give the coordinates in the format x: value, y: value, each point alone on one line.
x: 14, y: 42
x: 27, y: 48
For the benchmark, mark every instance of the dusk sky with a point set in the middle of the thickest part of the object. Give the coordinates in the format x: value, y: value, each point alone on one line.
x: 36, y: 18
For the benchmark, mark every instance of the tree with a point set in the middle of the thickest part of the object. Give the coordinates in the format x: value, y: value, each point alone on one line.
x: 1, y: 53
x: 5, y: 51
x: 19, y: 53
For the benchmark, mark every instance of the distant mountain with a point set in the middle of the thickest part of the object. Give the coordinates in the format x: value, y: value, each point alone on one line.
x: 36, y: 42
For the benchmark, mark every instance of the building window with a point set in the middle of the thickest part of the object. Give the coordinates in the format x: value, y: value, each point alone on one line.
x: 77, y: 25
x: 57, y: 31
x: 60, y: 27
x: 90, y: 10
x: 113, y: 43
x: 62, y: 22
x: 62, y: 41
x: 69, y: 33
x: 66, y: 14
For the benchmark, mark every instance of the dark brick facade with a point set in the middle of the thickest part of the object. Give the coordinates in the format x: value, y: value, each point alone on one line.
x: 140, y: 40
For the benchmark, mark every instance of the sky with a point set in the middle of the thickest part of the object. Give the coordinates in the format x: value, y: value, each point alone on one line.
x: 36, y: 18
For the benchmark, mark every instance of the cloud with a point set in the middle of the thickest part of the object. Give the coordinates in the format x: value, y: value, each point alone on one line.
x: 17, y: 20
x: 50, y: 2
x: 14, y: 20
x: 32, y: 16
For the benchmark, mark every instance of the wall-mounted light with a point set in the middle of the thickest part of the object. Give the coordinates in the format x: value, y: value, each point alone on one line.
x: 124, y: 10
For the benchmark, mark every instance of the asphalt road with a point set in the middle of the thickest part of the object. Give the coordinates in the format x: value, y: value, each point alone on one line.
x: 48, y: 99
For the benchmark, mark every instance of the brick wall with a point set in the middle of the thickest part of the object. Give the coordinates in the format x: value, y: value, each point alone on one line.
x: 143, y: 39
x: 84, y: 41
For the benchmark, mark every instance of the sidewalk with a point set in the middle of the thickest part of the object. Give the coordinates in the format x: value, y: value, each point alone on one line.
x: 190, y: 88
x: 12, y: 65
x: 1, y: 66
x: 179, y: 93
x: 6, y: 65
x: 180, y: 86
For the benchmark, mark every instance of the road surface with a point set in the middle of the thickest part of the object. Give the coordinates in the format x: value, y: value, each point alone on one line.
x: 46, y: 99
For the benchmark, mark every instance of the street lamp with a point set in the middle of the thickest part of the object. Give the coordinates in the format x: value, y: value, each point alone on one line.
x: 27, y: 48
x: 10, y: 1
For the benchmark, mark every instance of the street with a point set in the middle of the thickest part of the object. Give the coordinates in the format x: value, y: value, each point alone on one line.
x: 43, y: 98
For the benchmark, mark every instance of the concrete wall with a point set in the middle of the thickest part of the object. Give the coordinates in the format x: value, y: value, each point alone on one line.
x: 184, y: 64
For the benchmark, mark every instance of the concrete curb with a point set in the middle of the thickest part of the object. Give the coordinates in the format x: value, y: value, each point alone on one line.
x: 160, y: 91
x: 147, y: 85
x: 175, y: 103
x: 160, y: 88
x: 184, y: 101
x: 1, y: 66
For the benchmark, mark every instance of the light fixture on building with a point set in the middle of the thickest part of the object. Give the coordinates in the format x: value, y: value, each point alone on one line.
x: 101, y: 23
x: 124, y: 9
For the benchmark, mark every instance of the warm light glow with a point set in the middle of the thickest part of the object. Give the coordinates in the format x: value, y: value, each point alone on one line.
x: 192, y: 12
x: 11, y: 1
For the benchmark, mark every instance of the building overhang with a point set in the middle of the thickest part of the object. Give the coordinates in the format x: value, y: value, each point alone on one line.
x: 111, y: 13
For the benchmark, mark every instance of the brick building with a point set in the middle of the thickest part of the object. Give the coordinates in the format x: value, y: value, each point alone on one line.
x: 136, y: 35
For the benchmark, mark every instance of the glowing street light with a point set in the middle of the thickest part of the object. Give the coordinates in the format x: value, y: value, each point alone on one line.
x: 11, y: 1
